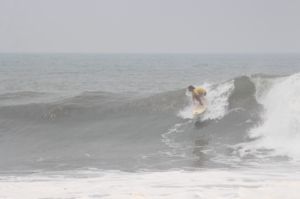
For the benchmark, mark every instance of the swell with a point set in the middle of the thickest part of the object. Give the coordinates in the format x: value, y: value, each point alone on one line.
x: 21, y: 94
x: 242, y: 95
x: 90, y: 130
x: 119, y: 131
x: 95, y: 102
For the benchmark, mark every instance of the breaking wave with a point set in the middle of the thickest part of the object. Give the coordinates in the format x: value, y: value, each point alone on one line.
x: 247, y: 118
x: 279, y: 130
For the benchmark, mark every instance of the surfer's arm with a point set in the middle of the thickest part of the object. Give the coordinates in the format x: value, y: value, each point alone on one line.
x: 198, y: 98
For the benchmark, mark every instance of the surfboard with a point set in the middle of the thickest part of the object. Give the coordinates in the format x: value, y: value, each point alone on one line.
x: 199, y: 109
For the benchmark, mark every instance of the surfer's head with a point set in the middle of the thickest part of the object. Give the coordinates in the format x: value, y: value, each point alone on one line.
x: 191, y: 88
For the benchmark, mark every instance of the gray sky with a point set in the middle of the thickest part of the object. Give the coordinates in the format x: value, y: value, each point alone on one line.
x: 150, y: 26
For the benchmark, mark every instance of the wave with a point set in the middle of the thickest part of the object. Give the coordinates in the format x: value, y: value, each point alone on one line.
x: 221, y: 97
x: 280, y: 129
x: 21, y: 94
x: 232, y: 111
x: 117, y: 131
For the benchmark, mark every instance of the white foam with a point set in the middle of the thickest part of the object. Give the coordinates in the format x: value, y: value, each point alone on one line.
x: 177, y: 149
x: 217, y: 99
x: 206, y: 184
x: 280, y: 129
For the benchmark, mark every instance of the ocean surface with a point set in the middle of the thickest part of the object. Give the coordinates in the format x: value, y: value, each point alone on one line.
x: 120, y: 126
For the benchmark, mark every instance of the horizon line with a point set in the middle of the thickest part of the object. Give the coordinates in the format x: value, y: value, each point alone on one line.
x: 145, y: 53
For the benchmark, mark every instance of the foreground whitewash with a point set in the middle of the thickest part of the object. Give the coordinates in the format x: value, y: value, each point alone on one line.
x: 204, y: 184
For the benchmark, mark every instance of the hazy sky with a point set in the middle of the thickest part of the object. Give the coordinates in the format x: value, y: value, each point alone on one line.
x: 149, y: 26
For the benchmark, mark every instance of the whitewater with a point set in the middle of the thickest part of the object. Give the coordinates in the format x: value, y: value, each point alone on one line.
x: 121, y: 126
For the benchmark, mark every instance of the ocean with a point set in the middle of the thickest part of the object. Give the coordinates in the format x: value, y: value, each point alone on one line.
x: 121, y: 126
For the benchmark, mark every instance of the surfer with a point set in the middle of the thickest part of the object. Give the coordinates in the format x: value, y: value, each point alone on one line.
x: 197, y: 93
